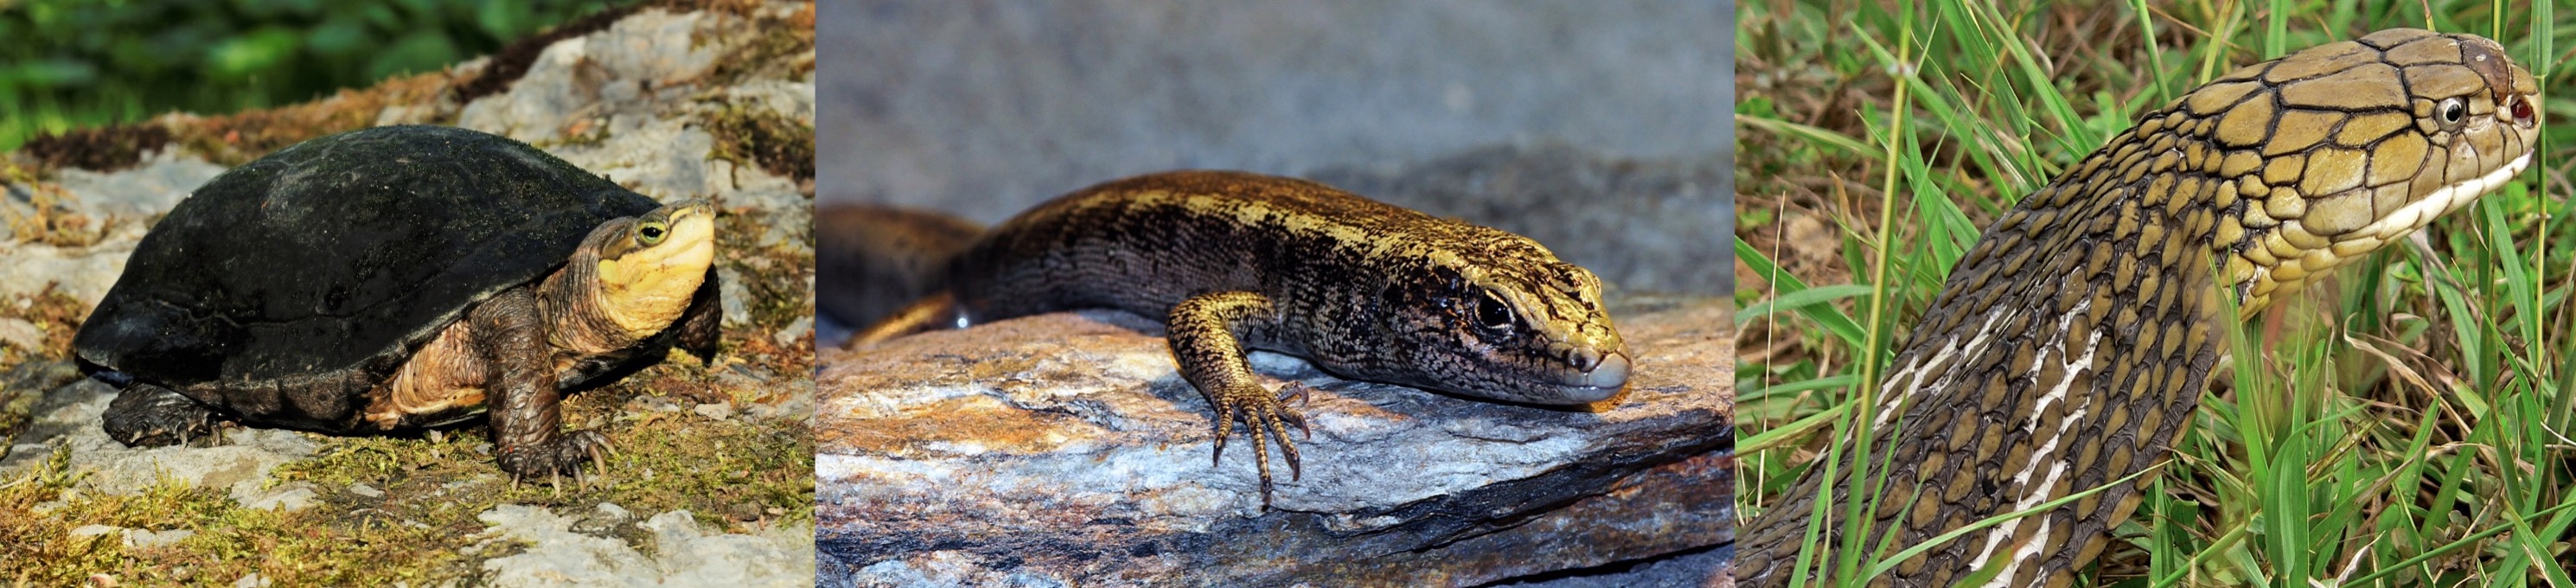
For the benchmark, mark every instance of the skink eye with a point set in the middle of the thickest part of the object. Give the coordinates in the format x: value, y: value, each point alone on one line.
x: 1492, y: 312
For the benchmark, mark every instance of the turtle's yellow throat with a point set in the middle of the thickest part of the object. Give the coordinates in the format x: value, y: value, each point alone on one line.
x: 645, y: 287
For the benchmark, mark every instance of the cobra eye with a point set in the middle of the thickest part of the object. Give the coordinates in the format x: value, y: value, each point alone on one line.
x: 2521, y: 109
x: 2452, y: 111
x: 651, y: 234
x: 1492, y: 312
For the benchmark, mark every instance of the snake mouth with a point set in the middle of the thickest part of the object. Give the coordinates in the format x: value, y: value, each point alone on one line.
x: 2414, y: 215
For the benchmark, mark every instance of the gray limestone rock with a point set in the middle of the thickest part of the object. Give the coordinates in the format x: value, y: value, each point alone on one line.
x: 150, y: 538
x: 121, y: 203
x: 625, y: 102
x: 70, y: 415
x: 556, y: 554
x: 288, y: 497
x: 133, y: 538
x: 19, y: 333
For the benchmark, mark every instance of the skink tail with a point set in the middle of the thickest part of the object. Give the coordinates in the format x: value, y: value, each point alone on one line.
x: 931, y: 313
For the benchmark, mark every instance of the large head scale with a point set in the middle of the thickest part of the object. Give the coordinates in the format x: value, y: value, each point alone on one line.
x: 2333, y: 151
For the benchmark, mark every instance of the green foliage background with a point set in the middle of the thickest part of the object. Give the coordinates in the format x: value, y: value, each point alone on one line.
x: 76, y: 63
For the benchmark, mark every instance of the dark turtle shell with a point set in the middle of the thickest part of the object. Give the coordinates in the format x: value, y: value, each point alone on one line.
x: 323, y: 266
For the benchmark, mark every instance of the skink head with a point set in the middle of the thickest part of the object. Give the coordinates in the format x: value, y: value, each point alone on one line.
x: 1512, y: 323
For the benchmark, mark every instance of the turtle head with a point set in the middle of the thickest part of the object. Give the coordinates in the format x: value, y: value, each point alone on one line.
x: 649, y: 267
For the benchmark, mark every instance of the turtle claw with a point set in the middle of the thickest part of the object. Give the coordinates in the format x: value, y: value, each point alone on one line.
x: 599, y: 456
x: 565, y: 453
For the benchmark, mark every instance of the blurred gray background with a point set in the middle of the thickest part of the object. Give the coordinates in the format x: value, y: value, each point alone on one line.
x: 1601, y: 129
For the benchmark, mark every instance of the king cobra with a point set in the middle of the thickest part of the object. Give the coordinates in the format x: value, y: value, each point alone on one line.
x: 2074, y: 339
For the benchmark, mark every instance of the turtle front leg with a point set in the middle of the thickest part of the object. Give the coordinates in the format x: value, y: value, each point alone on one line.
x: 527, y: 411
x: 1207, y: 335
x: 144, y: 415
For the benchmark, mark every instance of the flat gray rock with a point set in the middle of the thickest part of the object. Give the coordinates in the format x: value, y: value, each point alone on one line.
x: 557, y: 552
x: 629, y: 103
x: 69, y: 415
x: 1065, y: 448
x: 118, y: 207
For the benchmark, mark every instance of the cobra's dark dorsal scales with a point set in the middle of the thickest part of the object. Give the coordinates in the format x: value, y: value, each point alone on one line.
x: 2073, y: 341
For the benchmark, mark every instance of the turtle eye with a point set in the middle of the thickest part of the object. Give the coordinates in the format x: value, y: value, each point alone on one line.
x: 1492, y: 313
x: 651, y: 234
x: 2452, y: 111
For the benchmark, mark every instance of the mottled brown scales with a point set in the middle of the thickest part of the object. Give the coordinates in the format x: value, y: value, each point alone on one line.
x: 2074, y: 339
x: 1238, y: 261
